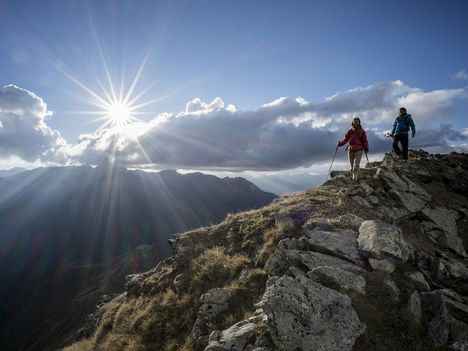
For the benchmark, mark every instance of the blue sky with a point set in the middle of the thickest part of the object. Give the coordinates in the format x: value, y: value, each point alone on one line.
x: 247, y: 53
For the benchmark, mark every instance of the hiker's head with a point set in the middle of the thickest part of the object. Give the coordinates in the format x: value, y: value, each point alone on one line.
x: 402, y: 111
x: 356, y: 122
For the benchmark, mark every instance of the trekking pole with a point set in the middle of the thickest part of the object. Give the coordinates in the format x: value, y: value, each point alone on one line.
x: 333, y: 159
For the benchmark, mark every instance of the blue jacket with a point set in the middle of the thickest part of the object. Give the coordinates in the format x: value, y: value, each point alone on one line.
x: 403, y: 124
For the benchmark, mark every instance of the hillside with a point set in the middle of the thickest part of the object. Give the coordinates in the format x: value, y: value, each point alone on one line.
x: 375, y: 265
x: 69, y: 235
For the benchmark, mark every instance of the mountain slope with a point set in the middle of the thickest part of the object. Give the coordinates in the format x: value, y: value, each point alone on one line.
x: 375, y: 265
x: 65, y: 233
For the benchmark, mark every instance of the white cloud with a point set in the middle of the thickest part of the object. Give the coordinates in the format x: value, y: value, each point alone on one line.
x: 24, y: 132
x: 460, y: 75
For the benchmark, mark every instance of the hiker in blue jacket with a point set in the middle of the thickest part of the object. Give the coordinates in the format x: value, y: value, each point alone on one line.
x: 402, y: 125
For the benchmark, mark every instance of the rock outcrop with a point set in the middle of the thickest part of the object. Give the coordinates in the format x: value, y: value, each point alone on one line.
x: 378, y: 264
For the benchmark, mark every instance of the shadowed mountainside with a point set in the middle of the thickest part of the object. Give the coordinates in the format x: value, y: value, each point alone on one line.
x: 68, y: 235
x: 378, y: 264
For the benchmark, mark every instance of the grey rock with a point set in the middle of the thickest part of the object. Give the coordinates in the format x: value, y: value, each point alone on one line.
x: 446, y: 222
x: 385, y: 265
x: 213, y: 302
x: 439, y: 327
x: 340, y: 244
x: 459, y: 332
x: 380, y: 240
x: 361, y: 201
x: 409, y: 201
x: 333, y: 276
x: 236, y: 338
x: 305, y: 315
x: 392, y: 213
x: 348, y: 220
x: 403, y: 186
x: 418, y: 280
x: 312, y: 260
x: 414, y: 305
x: 450, y: 317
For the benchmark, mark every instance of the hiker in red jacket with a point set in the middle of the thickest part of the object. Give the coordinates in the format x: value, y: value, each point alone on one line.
x: 357, y: 142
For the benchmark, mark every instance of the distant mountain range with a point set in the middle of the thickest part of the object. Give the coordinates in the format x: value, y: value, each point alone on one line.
x: 70, y: 234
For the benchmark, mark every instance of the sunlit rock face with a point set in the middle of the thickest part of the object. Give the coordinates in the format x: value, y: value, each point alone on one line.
x: 378, y: 264
x: 69, y: 235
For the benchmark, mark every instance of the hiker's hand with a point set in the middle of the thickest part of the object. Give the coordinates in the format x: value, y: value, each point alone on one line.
x: 366, y: 151
x: 412, y: 135
x: 338, y: 144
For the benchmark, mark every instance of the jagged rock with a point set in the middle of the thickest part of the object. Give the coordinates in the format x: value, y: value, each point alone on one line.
x: 312, y: 260
x: 236, y: 338
x: 361, y: 201
x: 418, y: 280
x: 380, y: 240
x: 336, y: 277
x: 394, y: 213
x: 278, y: 262
x: 449, y: 323
x: 446, y: 222
x: 439, y: 326
x: 213, y: 302
x: 304, y: 315
x: 340, y: 244
x: 385, y: 265
x: 348, y: 220
x: 409, y: 194
x: 414, y: 305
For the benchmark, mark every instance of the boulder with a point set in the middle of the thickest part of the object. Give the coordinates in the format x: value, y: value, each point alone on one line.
x: 414, y: 306
x: 304, y: 315
x: 348, y: 220
x: 450, y: 317
x: 340, y: 244
x: 385, y: 265
x: 312, y: 260
x: 380, y: 240
x: 236, y: 338
x: 335, y: 277
x: 445, y: 220
x: 418, y: 280
x: 213, y: 302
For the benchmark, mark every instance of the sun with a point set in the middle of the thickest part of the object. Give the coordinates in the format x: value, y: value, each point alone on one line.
x: 118, y: 113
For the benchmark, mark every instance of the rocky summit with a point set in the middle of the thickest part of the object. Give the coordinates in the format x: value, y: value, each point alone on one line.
x: 378, y: 264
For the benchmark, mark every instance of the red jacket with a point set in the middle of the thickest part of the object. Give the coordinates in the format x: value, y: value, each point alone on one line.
x: 357, y: 140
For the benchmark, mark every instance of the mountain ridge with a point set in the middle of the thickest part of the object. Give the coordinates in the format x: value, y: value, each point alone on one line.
x: 53, y: 220
x: 378, y: 264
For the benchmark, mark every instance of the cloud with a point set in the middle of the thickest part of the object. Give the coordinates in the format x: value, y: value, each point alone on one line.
x: 283, y: 134
x: 24, y: 132
x: 460, y: 75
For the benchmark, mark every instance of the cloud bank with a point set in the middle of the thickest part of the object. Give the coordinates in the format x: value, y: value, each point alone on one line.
x: 283, y: 134
x: 24, y: 132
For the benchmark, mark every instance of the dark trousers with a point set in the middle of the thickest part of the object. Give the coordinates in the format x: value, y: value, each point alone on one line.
x: 403, y: 139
